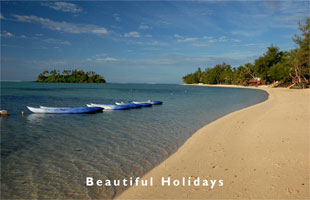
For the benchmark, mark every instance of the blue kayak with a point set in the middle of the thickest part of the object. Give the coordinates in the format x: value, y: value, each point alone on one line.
x: 155, y: 102
x: 55, y: 110
x: 109, y: 106
x: 143, y: 104
x: 130, y: 105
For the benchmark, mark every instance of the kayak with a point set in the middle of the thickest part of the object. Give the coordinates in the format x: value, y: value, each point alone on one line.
x: 130, y: 105
x: 109, y: 106
x: 54, y: 110
x: 144, y: 104
x: 45, y: 107
x: 155, y: 102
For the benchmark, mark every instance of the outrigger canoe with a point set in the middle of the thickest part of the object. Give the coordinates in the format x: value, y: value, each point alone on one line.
x: 55, y: 110
x: 109, y: 106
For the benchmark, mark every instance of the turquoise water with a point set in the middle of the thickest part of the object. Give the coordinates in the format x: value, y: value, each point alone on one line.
x: 49, y: 156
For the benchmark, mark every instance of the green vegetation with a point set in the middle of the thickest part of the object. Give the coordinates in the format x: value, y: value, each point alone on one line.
x: 274, y: 65
x: 70, y: 76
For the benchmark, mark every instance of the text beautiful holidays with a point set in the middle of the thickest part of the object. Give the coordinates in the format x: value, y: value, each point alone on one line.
x: 165, y: 181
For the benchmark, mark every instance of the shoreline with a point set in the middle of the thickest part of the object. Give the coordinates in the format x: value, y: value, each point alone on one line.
x: 229, y: 86
x: 261, y: 151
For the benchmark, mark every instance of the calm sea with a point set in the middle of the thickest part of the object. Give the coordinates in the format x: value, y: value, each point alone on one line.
x: 49, y: 156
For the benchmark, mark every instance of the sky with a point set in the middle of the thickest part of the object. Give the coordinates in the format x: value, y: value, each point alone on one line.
x: 141, y: 41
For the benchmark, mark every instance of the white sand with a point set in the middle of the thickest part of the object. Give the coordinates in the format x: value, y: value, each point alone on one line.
x: 260, y: 152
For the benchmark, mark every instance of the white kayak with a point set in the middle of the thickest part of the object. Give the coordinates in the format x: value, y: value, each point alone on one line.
x: 45, y: 107
x: 54, y: 110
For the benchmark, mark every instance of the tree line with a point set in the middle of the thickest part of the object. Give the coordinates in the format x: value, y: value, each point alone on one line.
x: 274, y: 65
x: 70, y: 76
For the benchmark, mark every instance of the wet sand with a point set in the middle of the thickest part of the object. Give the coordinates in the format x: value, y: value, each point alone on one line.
x: 259, y: 152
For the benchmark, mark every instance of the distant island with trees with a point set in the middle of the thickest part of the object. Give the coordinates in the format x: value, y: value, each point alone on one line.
x: 70, y: 76
x: 283, y: 67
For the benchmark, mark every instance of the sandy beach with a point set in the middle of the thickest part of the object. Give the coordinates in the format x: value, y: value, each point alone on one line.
x: 260, y: 152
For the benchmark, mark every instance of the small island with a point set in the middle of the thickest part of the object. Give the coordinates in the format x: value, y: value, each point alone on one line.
x: 70, y: 76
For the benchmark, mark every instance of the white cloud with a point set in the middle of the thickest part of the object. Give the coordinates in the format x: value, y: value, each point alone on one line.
x: 100, y: 31
x: 149, y: 43
x: 110, y: 59
x: 148, y: 35
x: 246, y: 33
x: 144, y: 27
x: 1, y: 16
x: 235, y: 40
x: 7, y: 34
x: 212, y: 40
x: 192, y: 39
x: 164, y: 22
x: 48, y: 40
x: 63, y: 26
x: 63, y: 6
x: 222, y: 39
x: 201, y: 41
x: 55, y: 41
x: 107, y: 59
x: 251, y: 44
x: 177, y: 36
x: 132, y: 34
x: 207, y: 37
x: 155, y: 43
x: 116, y: 17
x: 200, y: 44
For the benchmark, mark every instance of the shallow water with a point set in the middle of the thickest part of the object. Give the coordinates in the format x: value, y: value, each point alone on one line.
x: 49, y: 155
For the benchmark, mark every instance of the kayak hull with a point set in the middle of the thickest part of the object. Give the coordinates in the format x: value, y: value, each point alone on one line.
x: 130, y: 105
x: 45, y: 107
x: 143, y: 104
x: 156, y: 102
x: 109, y: 106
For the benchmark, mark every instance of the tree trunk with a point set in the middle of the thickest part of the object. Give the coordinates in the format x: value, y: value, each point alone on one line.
x: 298, y: 75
